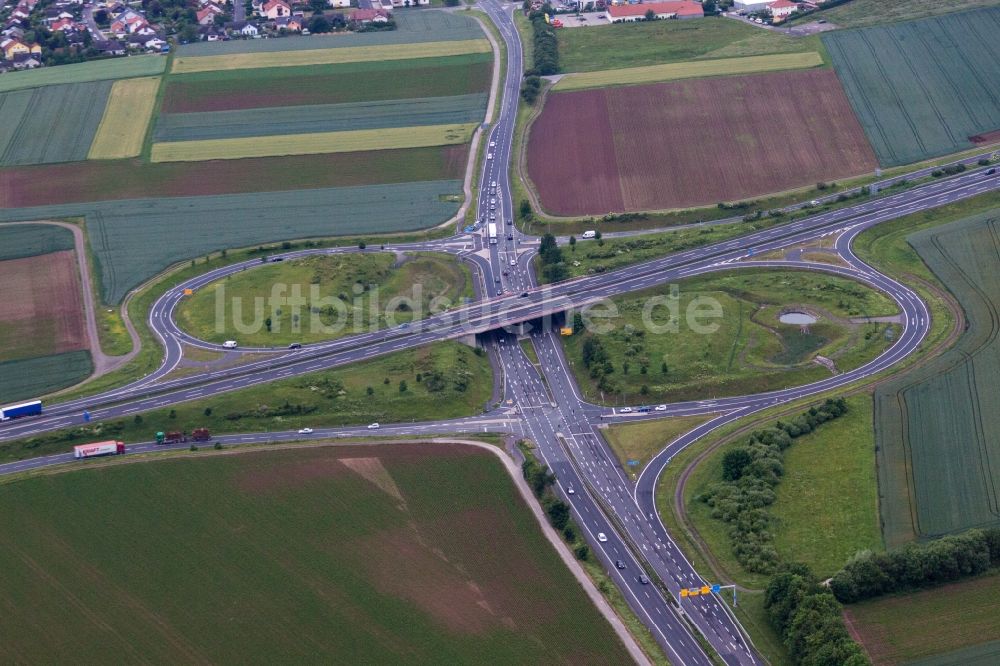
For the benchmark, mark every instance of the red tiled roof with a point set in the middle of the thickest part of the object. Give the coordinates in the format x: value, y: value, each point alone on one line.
x: 678, y: 7
x: 782, y: 4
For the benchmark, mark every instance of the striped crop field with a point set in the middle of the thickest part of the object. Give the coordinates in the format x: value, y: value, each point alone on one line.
x: 689, y: 70
x: 96, y: 70
x: 317, y: 118
x: 937, y: 426
x: 32, y: 377
x: 126, y: 118
x: 187, y: 64
x: 51, y: 124
x: 28, y: 240
x: 924, y: 88
x: 135, y: 239
x: 313, y: 143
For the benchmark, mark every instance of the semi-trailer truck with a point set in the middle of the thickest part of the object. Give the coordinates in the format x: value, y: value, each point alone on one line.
x: 33, y: 408
x: 109, y: 448
x: 493, y: 233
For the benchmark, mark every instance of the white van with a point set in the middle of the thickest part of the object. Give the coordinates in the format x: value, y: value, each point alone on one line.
x: 229, y: 344
x: 589, y: 234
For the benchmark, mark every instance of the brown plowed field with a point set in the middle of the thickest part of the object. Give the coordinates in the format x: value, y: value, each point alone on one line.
x: 693, y: 143
x: 103, y: 180
x: 43, y: 311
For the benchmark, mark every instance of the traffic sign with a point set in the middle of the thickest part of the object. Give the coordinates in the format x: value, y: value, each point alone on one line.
x: 86, y: 417
x: 705, y: 589
x: 716, y: 588
x: 633, y: 463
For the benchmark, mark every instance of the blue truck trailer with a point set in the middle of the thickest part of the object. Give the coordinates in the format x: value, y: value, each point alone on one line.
x: 33, y: 408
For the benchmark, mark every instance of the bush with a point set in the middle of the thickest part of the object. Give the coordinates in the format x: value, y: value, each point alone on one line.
x: 545, y: 45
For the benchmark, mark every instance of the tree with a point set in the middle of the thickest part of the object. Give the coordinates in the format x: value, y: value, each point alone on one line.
x: 362, y: 245
x: 524, y: 210
x: 597, y: 235
x: 663, y: 368
x: 582, y: 552
x: 172, y: 414
x: 370, y: 391
x: 650, y: 15
x: 558, y: 514
x: 735, y: 462
x: 572, y: 243
x: 319, y: 24
x: 402, y: 386
x: 137, y: 419
x: 208, y: 411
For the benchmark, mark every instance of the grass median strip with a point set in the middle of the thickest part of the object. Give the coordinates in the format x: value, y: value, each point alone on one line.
x: 313, y: 143
x: 689, y: 70
x: 184, y: 65
x: 126, y: 117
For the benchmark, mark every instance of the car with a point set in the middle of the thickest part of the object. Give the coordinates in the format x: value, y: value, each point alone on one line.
x: 814, y: 202
x: 499, y: 292
x: 295, y: 345
x: 230, y: 344
x: 625, y: 410
x: 660, y: 408
x: 493, y: 184
x: 524, y: 294
x: 643, y: 579
x: 493, y: 201
x: 493, y: 144
x: 601, y: 537
x: 405, y: 324
x: 990, y: 172
x: 570, y: 490
x: 644, y: 410
x: 619, y: 564
x: 489, y: 156
x: 506, y: 273
x: 274, y: 259
x: 511, y: 237
x: 496, y: 279
x: 374, y: 426
x: 305, y: 431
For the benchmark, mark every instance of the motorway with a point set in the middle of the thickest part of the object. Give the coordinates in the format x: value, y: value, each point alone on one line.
x: 541, y: 402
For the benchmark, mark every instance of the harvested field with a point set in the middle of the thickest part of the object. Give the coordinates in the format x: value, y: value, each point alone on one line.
x: 922, y: 88
x: 131, y: 247
x: 100, y: 181
x: 938, y: 429
x: 28, y: 240
x: 328, y: 84
x: 313, y: 143
x: 411, y: 28
x: 42, y: 312
x: 97, y: 70
x: 51, y: 124
x: 343, y: 571
x: 689, y: 70
x: 904, y: 627
x: 329, y: 56
x: 126, y: 118
x: 673, y: 145
x: 32, y: 377
x: 320, y: 118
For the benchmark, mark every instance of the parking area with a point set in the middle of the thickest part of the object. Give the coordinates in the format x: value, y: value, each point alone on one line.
x: 582, y: 20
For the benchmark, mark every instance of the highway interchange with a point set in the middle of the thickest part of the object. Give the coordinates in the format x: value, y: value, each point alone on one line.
x: 541, y: 402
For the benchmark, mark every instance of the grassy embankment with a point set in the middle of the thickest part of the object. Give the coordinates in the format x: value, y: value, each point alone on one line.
x: 362, y: 286
x: 641, y: 441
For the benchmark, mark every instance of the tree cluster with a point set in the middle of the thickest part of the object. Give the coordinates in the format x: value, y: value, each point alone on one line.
x: 530, y: 87
x: 808, y: 618
x: 750, y: 473
x: 915, y: 566
x: 544, y: 44
x: 553, y: 267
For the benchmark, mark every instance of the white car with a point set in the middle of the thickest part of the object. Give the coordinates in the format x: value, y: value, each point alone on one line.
x: 571, y: 491
x: 229, y: 344
x: 513, y: 262
x: 305, y: 431
x: 489, y: 156
x: 493, y: 184
x: 373, y: 426
x: 493, y: 144
x: 601, y: 537
x: 660, y: 408
x: 625, y: 410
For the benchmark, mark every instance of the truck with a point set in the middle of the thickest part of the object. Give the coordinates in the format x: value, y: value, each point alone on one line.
x: 493, y: 233
x: 589, y: 234
x: 33, y: 408
x: 109, y: 448
x: 201, y: 435
x: 172, y: 437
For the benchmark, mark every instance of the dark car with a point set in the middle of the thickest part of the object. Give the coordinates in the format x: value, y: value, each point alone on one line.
x: 295, y: 345
x: 524, y: 295
x: 619, y: 564
x: 643, y: 579
x: 273, y: 259
x: 990, y: 172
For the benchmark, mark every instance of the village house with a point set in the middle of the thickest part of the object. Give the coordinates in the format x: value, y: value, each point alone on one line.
x: 679, y: 9
x: 15, y: 47
x: 275, y: 9
x: 291, y: 24
x: 370, y: 16
x: 782, y: 9
x: 206, y: 15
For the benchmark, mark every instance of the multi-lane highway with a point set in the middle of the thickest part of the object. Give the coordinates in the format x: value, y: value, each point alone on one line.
x: 542, y: 403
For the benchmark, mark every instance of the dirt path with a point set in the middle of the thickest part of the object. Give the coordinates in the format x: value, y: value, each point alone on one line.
x: 102, y: 362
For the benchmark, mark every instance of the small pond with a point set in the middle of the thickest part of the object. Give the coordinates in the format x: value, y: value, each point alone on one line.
x: 797, y: 318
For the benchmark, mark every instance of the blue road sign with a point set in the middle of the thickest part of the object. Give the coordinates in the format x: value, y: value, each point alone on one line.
x: 716, y: 588
x: 633, y: 463
x: 86, y: 417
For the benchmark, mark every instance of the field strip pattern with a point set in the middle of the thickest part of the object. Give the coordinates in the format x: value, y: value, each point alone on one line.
x: 938, y: 428
x: 51, y: 124
x: 334, y: 56
x: 921, y: 89
x: 313, y: 143
x: 135, y: 239
x: 126, y: 118
x: 316, y: 118
x: 97, y: 70
x: 689, y: 70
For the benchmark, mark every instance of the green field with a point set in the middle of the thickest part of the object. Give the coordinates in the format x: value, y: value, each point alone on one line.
x: 423, y: 554
x: 749, y: 351
x: 320, y: 118
x: 134, y: 240
x: 826, y: 505
x: 29, y: 240
x: 328, y: 84
x: 688, y: 70
x: 861, y: 13
x: 96, y: 70
x: 921, y: 89
x: 641, y: 441
x: 938, y: 429
x: 51, y: 124
x: 625, y: 45
x: 907, y: 627
x: 411, y: 28
x: 983, y: 654
x: 364, y: 287
x: 32, y: 377
x: 455, y: 382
